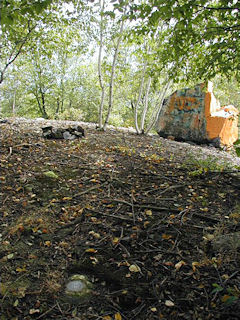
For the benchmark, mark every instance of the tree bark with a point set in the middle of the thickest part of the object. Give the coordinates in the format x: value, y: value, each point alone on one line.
x: 136, y: 105
x: 111, y: 84
x: 158, y: 108
x: 145, y: 109
x: 100, y: 111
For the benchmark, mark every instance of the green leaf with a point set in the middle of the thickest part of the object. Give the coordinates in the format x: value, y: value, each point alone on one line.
x: 230, y: 300
x: 218, y: 288
x: 237, y: 151
x: 51, y: 174
x: 237, y: 142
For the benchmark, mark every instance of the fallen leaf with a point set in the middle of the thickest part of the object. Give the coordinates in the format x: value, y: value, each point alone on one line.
x: 179, y: 265
x: 94, y: 234
x: 47, y: 243
x: 134, y: 268
x: 166, y: 236
x: 225, y: 298
x: 66, y: 198
x: 154, y: 309
x: 148, y: 213
x: 117, y: 316
x: 115, y: 240
x: 10, y: 256
x: 208, y: 237
x: 33, y: 311
x: 169, y: 303
x: 106, y: 318
x: 195, y: 264
x: 16, y: 303
x: 91, y: 250
x: 19, y: 269
x: 50, y: 174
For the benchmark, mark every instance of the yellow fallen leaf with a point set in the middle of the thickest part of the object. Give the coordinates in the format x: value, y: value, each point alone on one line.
x: 166, y: 236
x: 115, y: 240
x: 91, y: 250
x: 179, y: 265
x: 148, y: 213
x: 195, y: 264
x: 23, y: 269
x: 66, y: 198
x: 47, y: 243
x: 154, y: 309
x: 146, y: 223
x: 134, y: 268
x: 117, y: 316
x: 95, y: 234
x: 106, y: 318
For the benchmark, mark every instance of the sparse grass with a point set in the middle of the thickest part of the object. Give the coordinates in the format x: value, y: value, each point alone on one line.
x: 197, y: 165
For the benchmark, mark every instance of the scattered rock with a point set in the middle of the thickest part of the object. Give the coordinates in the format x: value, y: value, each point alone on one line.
x: 227, y: 242
x: 3, y: 121
x: 69, y: 133
x: 78, y: 288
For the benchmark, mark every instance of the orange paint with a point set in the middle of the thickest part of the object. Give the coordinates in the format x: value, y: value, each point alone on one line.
x: 220, y: 127
x: 183, y: 103
x: 196, y: 114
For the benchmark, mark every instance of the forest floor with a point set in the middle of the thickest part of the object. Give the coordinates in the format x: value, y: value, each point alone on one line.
x: 154, y: 224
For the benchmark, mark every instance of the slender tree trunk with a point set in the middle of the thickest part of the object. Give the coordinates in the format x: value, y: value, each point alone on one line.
x: 159, y: 106
x: 136, y: 105
x: 57, y: 109
x: 14, y: 103
x: 111, y: 84
x: 145, y: 109
x: 100, y: 111
x: 39, y: 103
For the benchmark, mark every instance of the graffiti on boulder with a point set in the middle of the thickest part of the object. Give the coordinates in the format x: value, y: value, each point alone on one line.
x: 194, y: 114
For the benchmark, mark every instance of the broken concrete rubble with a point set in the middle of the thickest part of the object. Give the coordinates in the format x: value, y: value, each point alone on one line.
x: 69, y: 133
x: 194, y: 114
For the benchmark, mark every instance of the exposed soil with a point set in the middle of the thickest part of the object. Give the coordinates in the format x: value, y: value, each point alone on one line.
x: 153, y: 223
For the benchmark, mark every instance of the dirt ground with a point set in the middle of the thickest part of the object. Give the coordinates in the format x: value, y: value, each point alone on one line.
x: 154, y: 224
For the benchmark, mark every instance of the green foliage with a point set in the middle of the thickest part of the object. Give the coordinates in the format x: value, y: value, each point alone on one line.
x: 201, y: 36
x: 197, y: 165
x: 217, y: 288
x: 237, y: 147
x: 49, y: 48
x: 71, y: 114
x: 15, y: 11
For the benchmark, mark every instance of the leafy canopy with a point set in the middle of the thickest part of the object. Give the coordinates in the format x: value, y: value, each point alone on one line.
x: 15, y: 11
x: 201, y: 36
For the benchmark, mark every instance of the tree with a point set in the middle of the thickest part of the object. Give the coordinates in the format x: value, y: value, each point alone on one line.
x: 201, y: 36
x: 18, y: 20
x: 109, y: 30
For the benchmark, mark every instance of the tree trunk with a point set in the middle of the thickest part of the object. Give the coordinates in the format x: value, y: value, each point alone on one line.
x: 111, y: 84
x: 100, y: 111
x: 14, y: 103
x: 145, y: 109
x: 158, y: 108
x: 136, y: 105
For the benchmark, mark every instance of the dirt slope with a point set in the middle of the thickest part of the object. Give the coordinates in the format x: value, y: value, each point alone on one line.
x: 153, y: 223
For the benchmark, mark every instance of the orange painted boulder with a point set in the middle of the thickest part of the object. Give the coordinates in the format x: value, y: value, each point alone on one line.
x: 194, y: 114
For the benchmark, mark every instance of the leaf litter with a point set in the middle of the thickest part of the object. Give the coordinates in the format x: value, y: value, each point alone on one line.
x: 123, y: 210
